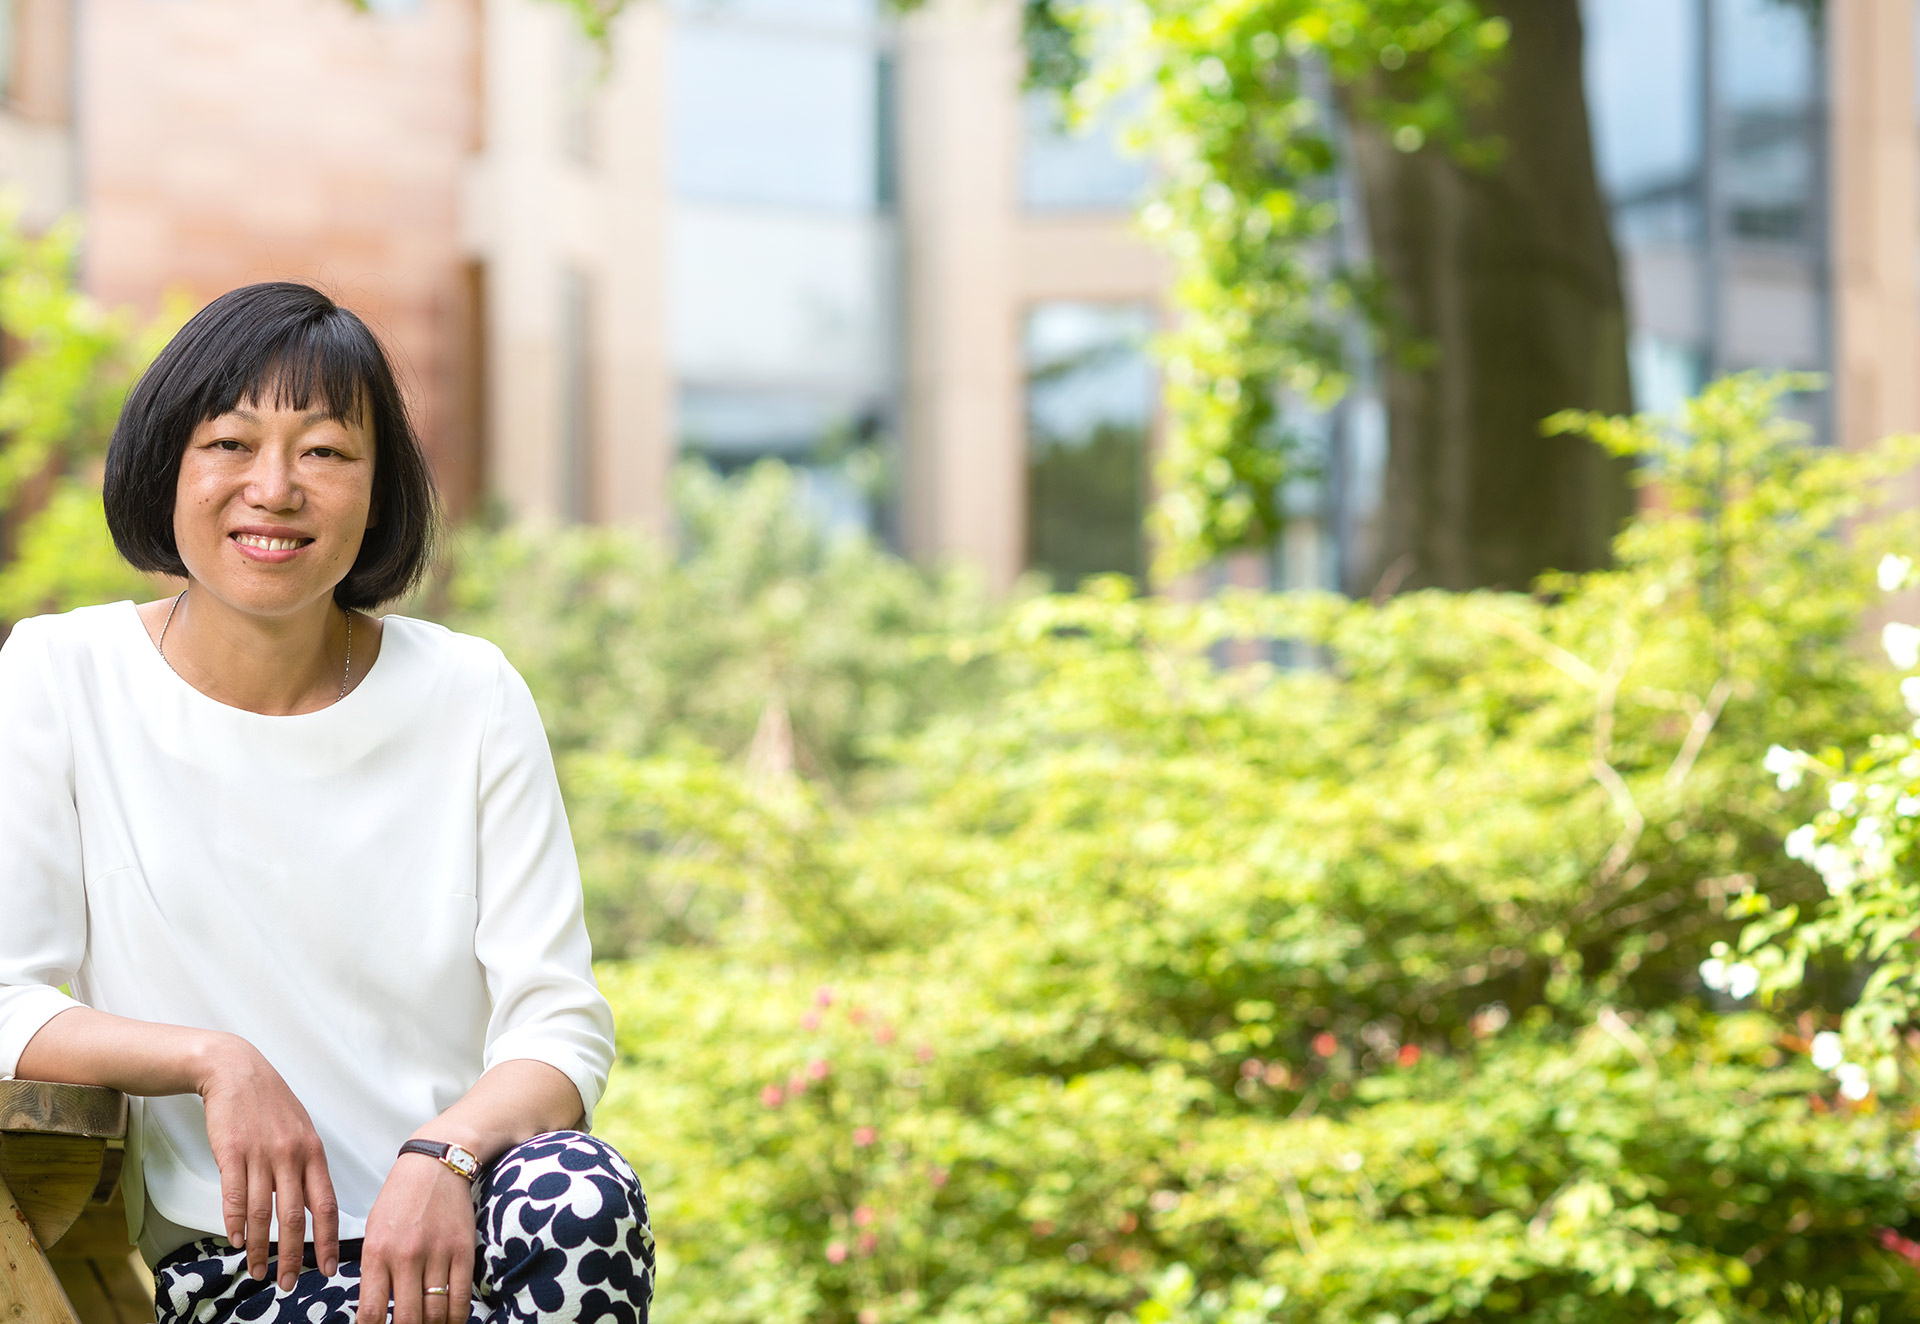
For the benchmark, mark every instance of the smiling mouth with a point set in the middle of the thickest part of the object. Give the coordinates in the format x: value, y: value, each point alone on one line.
x: 267, y: 544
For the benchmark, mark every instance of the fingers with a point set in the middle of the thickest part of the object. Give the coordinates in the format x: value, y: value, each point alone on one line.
x: 292, y: 1203
x: 326, y: 1217
x: 406, y: 1292
x: 259, y: 1219
x: 375, y: 1288
x: 460, y: 1284
x: 233, y: 1198
x: 437, y: 1308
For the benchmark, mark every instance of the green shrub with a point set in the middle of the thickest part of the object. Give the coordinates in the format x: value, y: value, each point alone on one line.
x: 1365, y: 991
x: 761, y: 634
x: 69, y: 367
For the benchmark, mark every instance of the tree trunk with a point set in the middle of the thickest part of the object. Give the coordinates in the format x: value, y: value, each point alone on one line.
x: 1505, y: 284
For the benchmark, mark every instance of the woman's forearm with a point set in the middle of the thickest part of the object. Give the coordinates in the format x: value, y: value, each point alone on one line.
x: 82, y: 1046
x: 516, y: 1100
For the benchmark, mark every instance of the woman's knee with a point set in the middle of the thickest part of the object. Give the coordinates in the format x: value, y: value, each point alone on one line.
x: 567, y: 1195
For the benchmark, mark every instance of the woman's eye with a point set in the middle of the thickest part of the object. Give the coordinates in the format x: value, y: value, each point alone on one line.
x: 228, y: 444
x: 324, y: 452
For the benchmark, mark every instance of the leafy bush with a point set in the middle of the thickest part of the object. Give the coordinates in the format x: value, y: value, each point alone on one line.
x: 1364, y: 991
x: 69, y: 367
x: 761, y: 633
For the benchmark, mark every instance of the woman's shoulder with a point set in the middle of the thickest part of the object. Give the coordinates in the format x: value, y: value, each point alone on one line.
x: 449, y: 652
x: 82, y: 629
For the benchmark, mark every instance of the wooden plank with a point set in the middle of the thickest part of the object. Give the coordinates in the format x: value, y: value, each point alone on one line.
x: 104, y: 1276
x: 99, y: 1233
x: 29, y: 1291
x: 50, y: 1109
x: 52, y: 1177
x: 108, y: 1291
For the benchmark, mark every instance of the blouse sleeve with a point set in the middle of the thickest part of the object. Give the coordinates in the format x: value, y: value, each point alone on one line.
x: 532, y: 932
x: 43, y: 906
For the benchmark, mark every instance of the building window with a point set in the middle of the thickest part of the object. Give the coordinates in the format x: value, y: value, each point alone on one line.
x: 1709, y: 134
x: 1091, y: 399
x: 582, y: 69
x: 1076, y: 168
x: 777, y: 109
x: 9, y: 41
x: 576, y: 387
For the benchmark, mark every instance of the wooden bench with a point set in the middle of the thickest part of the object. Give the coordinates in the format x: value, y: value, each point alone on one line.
x: 64, y: 1257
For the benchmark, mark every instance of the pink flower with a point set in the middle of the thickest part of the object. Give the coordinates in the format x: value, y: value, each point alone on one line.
x: 869, y: 1316
x: 868, y: 1243
x: 1901, y: 1246
x: 924, y: 1052
x: 796, y: 1085
x: 858, y: 1015
x: 836, y: 1252
x: 818, y: 1068
x: 883, y: 1034
x: 1409, y: 1055
x: 772, y: 1096
x: 864, y: 1136
x: 864, y: 1216
x: 1325, y: 1044
x: 1252, y: 1067
x: 823, y: 996
x: 810, y: 1021
x: 938, y: 1176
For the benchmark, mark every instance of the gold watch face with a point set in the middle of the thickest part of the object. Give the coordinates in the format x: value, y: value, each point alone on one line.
x: 462, y: 1162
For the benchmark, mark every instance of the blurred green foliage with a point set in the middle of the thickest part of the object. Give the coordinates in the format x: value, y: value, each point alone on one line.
x: 761, y: 633
x: 67, y: 367
x: 1243, y: 109
x: 1160, y: 989
x: 1267, y: 958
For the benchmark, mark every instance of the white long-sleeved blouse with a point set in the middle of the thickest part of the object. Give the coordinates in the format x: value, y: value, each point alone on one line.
x: 381, y: 896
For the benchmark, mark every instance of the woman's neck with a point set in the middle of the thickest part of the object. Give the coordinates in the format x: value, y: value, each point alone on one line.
x: 275, y: 665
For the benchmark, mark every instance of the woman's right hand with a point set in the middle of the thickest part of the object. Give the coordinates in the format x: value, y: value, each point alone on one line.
x: 270, y: 1158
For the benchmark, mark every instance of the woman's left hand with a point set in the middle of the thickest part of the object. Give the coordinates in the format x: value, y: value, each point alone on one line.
x: 419, y: 1235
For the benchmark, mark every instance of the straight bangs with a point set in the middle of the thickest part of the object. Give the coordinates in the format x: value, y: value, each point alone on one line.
x: 312, y: 366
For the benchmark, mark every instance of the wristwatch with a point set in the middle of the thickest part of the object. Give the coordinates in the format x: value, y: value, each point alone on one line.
x: 460, y: 1160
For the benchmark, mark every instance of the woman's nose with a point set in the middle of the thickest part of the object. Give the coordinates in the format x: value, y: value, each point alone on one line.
x: 271, y: 484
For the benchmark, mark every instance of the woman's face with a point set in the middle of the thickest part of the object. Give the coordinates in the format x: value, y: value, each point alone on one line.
x: 272, y: 505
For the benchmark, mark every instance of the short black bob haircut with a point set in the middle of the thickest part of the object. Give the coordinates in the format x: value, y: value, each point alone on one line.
x: 292, y: 343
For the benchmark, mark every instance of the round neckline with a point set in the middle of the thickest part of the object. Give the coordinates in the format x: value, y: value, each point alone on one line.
x: 158, y: 663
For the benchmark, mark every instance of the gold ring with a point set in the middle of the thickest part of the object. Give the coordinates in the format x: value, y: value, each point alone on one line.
x: 438, y: 1291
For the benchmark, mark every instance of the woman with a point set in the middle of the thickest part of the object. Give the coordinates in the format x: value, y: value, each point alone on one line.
x: 306, y: 872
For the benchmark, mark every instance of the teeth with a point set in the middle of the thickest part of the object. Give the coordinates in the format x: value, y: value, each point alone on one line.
x: 268, y: 544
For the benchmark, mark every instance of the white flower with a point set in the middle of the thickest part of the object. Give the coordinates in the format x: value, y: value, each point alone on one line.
x: 1907, y: 806
x: 1799, y: 844
x: 1835, y: 867
x: 1894, y: 571
x: 1785, y: 764
x: 1828, y: 1051
x: 1840, y: 795
x: 1742, y: 980
x: 1853, y: 1081
x: 1910, y: 693
x: 1902, y: 643
x: 1713, y: 973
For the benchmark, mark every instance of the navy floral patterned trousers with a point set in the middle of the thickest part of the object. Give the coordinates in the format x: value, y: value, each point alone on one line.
x: 561, y: 1234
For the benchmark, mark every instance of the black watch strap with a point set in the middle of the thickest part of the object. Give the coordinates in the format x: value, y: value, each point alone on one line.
x: 461, y: 1161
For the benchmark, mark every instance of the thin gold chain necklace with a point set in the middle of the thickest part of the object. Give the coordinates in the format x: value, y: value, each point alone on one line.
x: 161, y: 646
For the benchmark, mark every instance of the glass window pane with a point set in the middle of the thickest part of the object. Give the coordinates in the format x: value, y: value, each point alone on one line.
x: 1063, y: 168
x: 1643, y: 101
x: 775, y: 115
x: 1764, y: 63
x: 1090, y: 404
